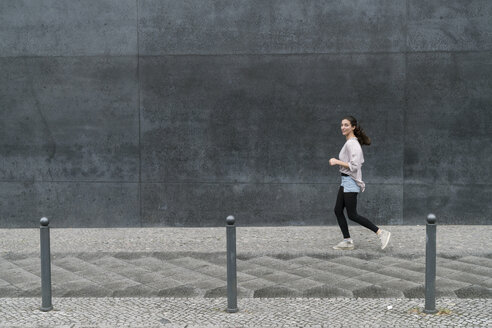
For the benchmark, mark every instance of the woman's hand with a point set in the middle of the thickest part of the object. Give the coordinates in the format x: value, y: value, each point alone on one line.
x: 333, y: 161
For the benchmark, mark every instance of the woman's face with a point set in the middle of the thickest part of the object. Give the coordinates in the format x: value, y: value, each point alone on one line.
x: 346, y: 127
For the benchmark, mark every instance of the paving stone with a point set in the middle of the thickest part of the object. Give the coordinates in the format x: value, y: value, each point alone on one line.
x: 4, y: 283
x: 275, y: 292
x: 9, y: 291
x: 99, y: 275
x: 375, y: 291
x: 259, y: 271
x: 419, y: 292
x: 284, y: 256
x: 137, y: 290
x: 304, y: 261
x: 30, y: 287
x: 352, y: 284
x: 487, y: 283
x: 163, y: 283
x: 304, y: 272
x: 481, y: 261
x: 171, y: 272
x: 442, y: 260
x: 213, y: 270
x: 180, y: 291
x: 374, y: 278
x: 32, y: 291
x: 148, y: 277
x: 256, y: 284
x: 466, y: 277
x: 446, y: 283
x: 217, y: 258
x: 443, y: 272
x: 27, y: 285
x: 188, y: 263
x: 165, y: 255
x: 62, y: 276
x: 387, y: 261
x: 468, y: 267
x: 6, y: 265
x: 138, y: 275
x: 127, y: 256
x: 84, y: 288
x: 72, y: 263
x: 327, y: 277
x: 280, y: 277
x: 17, y: 256
x: 221, y: 292
x: 401, y: 273
x: 398, y: 284
x: 29, y: 264
x: 59, y: 291
x: 19, y: 277
x: 33, y: 270
x: 273, y: 263
x: 88, y: 256
x: 356, y: 263
x: 339, y: 269
x: 242, y: 277
x: 324, y: 256
x: 303, y: 284
x: 133, y: 273
x: 243, y: 265
x: 253, y: 312
x: 474, y: 292
x: 188, y: 276
x: 120, y: 284
x: 210, y: 283
x: 151, y: 263
x: 326, y: 291
x: 109, y: 262
x: 417, y: 265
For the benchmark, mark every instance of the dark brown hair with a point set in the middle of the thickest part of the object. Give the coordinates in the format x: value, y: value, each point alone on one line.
x: 358, y: 131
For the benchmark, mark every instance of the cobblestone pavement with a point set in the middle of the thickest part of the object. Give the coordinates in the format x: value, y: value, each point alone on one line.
x: 452, y: 240
x: 317, y: 275
x: 279, y: 312
x: 287, y: 276
x: 272, y: 262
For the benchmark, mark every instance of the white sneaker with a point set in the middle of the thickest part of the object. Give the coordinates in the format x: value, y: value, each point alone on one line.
x: 384, y: 236
x: 344, y: 245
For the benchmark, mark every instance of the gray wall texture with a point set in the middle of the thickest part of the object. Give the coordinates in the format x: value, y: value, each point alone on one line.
x: 118, y: 113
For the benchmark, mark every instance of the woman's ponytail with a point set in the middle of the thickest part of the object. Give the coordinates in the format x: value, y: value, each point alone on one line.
x: 358, y: 131
x: 361, y: 136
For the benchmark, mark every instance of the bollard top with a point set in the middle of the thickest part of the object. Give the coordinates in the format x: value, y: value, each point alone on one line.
x: 230, y: 220
x: 431, y: 219
x: 44, y: 222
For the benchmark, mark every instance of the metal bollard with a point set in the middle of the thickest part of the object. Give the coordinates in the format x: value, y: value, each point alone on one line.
x: 430, y: 265
x: 45, y: 266
x: 231, y: 265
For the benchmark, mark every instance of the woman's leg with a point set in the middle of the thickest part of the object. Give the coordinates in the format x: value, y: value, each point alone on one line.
x: 350, y: 201
x: 342, y: 221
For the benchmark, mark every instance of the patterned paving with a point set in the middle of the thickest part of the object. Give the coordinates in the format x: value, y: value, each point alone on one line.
x: 204, y: 275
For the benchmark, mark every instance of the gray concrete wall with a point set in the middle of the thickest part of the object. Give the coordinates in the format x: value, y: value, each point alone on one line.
x: 179, y: 113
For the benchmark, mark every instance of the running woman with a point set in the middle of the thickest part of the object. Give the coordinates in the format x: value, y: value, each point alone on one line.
x: 350, y: 162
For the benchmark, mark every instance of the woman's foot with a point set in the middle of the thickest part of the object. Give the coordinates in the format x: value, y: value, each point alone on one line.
x: 344, y: 245
x: 384, y: 236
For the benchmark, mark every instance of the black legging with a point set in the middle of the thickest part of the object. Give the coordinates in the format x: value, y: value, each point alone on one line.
x: 349, y: 201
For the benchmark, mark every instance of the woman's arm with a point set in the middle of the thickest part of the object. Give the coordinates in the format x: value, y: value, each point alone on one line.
x: 334, y: 161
